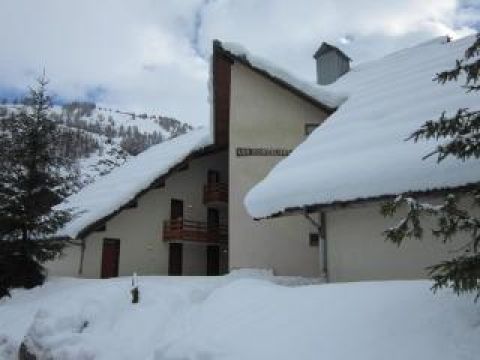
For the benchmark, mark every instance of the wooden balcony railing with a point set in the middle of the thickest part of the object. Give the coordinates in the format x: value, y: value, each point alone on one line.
x: 194, y: 231
x: 215, y: 193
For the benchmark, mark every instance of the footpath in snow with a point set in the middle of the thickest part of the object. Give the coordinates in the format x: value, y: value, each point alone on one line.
x: 239, y: 316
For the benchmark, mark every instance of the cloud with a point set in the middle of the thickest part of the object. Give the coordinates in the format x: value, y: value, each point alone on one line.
x: 290, y: 32
x: 152, y: 56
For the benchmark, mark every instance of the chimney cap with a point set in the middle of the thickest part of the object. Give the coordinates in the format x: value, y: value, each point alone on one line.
x: 326, y: 47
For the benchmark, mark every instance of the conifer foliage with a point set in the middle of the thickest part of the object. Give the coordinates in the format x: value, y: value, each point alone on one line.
x: 459, y: 137
x: 34, y: 177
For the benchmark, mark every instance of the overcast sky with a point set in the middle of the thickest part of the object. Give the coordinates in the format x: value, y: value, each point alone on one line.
x: 152, y: 55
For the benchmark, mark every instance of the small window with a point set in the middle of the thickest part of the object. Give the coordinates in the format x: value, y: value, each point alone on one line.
x: 213, y: 177
x: 314, y: 239
x: 310, y: 127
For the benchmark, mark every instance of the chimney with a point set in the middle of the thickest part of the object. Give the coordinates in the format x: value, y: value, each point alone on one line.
x: 331, y: 63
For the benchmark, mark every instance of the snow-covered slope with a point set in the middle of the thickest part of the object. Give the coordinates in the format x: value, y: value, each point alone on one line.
x: 360, y: 151
x: 238, y: 319
x: 122, y: 184
x: 102, y: 139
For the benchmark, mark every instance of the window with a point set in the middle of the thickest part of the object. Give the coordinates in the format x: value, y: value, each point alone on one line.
x: 213, y: 177
x: 310, y: 127
x: 314, y: 239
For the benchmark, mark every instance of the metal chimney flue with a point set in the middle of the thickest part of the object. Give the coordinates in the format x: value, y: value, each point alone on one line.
x: 332, y: 63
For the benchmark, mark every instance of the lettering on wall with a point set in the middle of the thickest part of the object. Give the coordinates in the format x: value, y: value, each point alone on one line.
x: 241, y: 151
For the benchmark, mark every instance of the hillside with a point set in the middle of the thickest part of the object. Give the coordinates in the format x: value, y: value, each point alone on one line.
x: 101, y: 139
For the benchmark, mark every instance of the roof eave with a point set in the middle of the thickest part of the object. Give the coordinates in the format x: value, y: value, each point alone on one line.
x: 87, y: 230
x: 340, y: 204
x: 219, y: 49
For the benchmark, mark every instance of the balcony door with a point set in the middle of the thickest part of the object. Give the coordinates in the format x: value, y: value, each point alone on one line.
x: 213, y: 177
x: 213, y: 219
x: 176, y: 209
x: 175, y: 250
x: 213, y: 251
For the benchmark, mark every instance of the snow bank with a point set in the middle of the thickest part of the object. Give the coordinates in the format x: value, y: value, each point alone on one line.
x: 232, y: 318
x: 329, y: 98
x: 360, y: 151
x: 116, y: 189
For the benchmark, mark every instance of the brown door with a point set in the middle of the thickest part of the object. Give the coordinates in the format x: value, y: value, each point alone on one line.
x: 175, y: 259
x: 176, y: 209
x: 213, y: 222
x: 175, y: 251
x: 213, y: 260
x: 213, y: 218
x: 213, y: 251
x: 213, y: 177
x: 110, y: 256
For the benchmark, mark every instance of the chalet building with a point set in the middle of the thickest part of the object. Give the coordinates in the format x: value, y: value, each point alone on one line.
x: 163, y: 212
x: 264, y: 186
x: 178, y: 208
x: 340, y: 175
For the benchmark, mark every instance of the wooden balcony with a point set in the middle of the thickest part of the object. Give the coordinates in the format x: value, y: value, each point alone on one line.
x: 215, y: 193
x: 181, y: 230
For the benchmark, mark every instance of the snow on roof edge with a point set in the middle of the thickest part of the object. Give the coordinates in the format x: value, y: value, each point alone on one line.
x: 96, y: 201
x: 320, y: 94
x: 333, y: 168
x: 321, y: 206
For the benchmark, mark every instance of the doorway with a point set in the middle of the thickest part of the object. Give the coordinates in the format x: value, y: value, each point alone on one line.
x: 110, y: 258
x: 213, y: 260
x: 176, y: 209
x: 175, y: 259
x: 213, y: 177
x: 213, y: 219
x: 213, y: 251
x: 175, y: 250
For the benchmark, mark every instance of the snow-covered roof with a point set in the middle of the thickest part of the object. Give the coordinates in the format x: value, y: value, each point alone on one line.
x: 110, y: 192
x: 360, y: 151
x: 328, y: 98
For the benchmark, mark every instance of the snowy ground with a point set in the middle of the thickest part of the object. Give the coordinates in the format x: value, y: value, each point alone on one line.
x: 239, y: 317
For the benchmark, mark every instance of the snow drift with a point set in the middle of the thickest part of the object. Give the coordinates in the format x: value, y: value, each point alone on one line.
x: 237, y: 317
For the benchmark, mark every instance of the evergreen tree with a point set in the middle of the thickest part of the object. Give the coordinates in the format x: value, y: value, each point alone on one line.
x: 34, y: 177
x: 461, y: 139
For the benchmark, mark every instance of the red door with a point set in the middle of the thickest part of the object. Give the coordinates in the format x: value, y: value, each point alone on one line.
x: 110, y: 256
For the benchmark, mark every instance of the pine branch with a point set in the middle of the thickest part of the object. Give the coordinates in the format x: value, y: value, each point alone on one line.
x: 450, y: 220
x: 462, y: 274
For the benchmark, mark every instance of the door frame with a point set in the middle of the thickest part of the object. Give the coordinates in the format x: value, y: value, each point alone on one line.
x: 175, y: 259
x: 175, y: 205
x: 112, y: 244
x: 213, y: 176
x: 213, y: 260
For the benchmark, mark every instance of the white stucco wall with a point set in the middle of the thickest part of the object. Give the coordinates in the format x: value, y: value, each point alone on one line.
x: 139, y: 229
x: 67, y: 265
x: 263, y: 114
x: 357, y: 250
